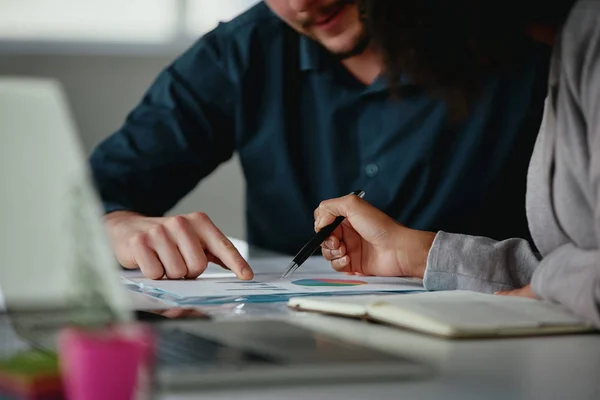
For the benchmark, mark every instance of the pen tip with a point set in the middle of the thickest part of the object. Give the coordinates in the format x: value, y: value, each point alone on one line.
x: 289, y: 270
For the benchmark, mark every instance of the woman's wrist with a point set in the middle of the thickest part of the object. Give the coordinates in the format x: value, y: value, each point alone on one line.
x: 413, y: 251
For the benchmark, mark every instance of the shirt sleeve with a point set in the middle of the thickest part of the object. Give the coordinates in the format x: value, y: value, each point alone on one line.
x: 571, y: 275
x: 477, y: 263
x: 180, y: 132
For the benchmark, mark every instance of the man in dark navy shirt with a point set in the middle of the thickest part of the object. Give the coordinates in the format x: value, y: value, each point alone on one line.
x: 295, y: 89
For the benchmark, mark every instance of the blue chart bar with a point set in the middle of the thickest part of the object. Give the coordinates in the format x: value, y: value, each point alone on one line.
x: 251, y: 285
x: 254, y: 290
x: 246, y: 283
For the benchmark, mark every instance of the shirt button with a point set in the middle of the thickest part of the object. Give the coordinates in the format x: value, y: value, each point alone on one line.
x: 371, y: 170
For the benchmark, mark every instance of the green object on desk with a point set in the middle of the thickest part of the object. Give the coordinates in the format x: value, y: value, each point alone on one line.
x: 30, y: 374
x: 30, y: 362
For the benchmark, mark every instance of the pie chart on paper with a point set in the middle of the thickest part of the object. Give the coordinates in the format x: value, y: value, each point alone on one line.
x: 328, y: 282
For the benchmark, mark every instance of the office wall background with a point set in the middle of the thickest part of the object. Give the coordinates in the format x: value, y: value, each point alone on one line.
x: 102, y: 89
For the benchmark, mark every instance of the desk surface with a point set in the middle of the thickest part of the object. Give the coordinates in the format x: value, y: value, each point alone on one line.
x: 558, y: 367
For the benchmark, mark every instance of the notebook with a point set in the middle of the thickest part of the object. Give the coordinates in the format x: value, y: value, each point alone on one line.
x: 452, y: 314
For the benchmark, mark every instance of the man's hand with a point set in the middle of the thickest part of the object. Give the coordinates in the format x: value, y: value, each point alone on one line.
x: 369, y: 242
x: 178, y: 247
x: 525, y: 291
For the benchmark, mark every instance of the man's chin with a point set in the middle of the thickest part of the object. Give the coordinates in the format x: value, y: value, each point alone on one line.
x: 343, y: 50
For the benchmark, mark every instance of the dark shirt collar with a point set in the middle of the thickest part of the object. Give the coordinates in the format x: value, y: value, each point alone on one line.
x: 311, y: 54
x: 313, y: 57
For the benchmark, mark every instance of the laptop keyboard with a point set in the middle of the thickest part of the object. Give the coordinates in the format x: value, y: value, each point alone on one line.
x: 177, y: 348
x: 174, y: 348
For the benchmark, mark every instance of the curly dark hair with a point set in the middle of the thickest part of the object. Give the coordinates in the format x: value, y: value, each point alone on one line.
x: 450, y: 47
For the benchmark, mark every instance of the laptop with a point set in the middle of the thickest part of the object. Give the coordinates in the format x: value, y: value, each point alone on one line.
x: 58, y: 266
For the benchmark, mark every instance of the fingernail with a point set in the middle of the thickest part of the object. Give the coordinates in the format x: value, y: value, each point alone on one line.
x: 344, y: 260
x: 330, y: 243
x: 246, y: 272
x: 336, y: 252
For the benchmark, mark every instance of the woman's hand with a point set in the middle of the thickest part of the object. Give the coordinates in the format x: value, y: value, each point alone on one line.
x: 525, y: 291
x: 368, y: 242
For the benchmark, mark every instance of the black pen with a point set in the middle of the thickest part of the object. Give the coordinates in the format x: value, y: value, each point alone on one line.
x: 314, y: 243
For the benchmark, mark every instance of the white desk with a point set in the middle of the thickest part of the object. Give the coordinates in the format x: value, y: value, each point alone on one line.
x: 559, y: 367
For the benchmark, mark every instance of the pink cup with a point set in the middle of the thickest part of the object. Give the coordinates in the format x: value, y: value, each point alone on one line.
x: 106, y: 364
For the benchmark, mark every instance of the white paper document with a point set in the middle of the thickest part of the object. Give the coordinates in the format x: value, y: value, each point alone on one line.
x: 315, y: 278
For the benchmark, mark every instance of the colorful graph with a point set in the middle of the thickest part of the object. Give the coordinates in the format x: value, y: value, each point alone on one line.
x: 328, y: 282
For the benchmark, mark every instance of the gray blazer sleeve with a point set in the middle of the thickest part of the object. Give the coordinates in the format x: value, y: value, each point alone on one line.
x: 478, y: 263
x: 570, y: 275
x: 567, y: 274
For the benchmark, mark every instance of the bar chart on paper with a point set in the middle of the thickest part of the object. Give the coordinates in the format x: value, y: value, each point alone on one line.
x: 240, y: 286
x: 328, y: 282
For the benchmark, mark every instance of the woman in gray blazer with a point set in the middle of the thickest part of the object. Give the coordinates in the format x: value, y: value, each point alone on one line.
x: 563, y: 184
